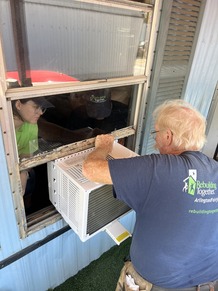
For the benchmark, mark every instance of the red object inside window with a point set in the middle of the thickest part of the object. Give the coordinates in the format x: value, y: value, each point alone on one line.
x: 39, y: 76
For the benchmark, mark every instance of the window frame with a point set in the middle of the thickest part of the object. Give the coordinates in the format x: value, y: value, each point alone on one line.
x: 26, y: 227
x: 50, y: 215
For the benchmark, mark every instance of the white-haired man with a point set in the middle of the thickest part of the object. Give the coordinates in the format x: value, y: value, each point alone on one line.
x: 175, y: 197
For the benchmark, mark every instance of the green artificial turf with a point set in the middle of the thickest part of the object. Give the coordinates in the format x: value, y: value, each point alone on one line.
x: 101, y: 274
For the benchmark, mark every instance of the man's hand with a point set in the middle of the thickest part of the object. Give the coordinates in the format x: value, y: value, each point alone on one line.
x: 105, y: 142
x: 95, y: 166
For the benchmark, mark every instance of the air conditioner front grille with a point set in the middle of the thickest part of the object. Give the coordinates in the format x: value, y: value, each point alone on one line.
x: 103, y: 208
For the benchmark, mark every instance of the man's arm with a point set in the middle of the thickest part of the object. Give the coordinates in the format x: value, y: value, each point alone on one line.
x: 95, y: 167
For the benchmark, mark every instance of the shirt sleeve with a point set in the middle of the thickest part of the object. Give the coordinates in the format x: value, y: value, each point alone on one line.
x: 131, y: 179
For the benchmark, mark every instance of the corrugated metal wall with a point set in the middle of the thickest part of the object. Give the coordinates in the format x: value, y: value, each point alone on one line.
x: 53, y: 263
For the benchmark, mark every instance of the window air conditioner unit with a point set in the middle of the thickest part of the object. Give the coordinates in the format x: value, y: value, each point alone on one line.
x: 86, y: 206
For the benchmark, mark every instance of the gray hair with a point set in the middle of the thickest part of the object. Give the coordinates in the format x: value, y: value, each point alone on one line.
x: 185, y: 122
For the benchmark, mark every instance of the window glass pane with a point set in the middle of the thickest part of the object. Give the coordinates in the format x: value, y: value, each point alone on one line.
x: 83, y: 40
x: 45, y: 123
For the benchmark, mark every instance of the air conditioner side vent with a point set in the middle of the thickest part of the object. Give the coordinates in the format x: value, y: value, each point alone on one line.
x: 73, y: 202
x: 63, y: 194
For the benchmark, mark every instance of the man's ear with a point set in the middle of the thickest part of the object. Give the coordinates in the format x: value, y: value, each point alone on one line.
x: 169, y: 137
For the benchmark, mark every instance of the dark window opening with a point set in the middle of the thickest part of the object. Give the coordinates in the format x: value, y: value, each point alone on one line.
x: 106, y: 109
x: 37, y: 198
